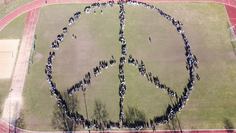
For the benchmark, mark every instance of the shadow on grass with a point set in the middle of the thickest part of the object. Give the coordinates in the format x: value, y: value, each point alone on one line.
x: 100, y: 115
x: 173, y: 125
x: 59, y: 121
x: 134, y: 118
x: 20, y: 121
x: 228, y: 125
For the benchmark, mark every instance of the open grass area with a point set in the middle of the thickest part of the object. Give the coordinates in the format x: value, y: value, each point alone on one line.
x: 14, y: 30
x: 205, y: 25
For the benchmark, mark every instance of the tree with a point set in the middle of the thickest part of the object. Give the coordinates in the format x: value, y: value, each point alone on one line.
x: 134, y: 115
x: 228, y: 125
x: 100, y: 113
x: 60, y: 120
x: 20, y: 121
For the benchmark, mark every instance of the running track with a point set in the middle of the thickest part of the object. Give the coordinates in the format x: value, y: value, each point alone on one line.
x: 32, y: 10
x: 229, y: 4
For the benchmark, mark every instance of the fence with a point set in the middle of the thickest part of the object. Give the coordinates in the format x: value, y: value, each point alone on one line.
x: 232, y: 33
x: 31, y: 55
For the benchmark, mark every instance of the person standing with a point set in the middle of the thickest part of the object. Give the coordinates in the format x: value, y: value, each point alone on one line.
x: 150, y: 39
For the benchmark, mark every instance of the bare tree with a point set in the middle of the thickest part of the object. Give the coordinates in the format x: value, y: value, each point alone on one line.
x: 60, y: 120
x: 133, y: 115
x: 20, y: 121
x: 228, y: 125
x: 100, y: 113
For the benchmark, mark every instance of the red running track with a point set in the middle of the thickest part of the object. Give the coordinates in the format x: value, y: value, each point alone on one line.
x: 34, y: 7
x: 21, y: 64
x: 5, y: 128
x: 229, y: 4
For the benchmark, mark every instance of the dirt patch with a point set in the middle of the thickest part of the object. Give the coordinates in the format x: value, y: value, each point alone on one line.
x: 37, y: 57
x: 231, y: 55
x: 8, y: 54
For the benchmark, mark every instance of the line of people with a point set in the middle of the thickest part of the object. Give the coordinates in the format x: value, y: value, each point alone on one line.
x: 122, y: 86
x: 122, y: 26
x: 86, y: 81
x: 102, y: 66
x: 104, y: 4
x: 192, y: 63
x: 48, y: 69
x: 54, y: 91
x: 77, y: 15
x: 60, y: 38
x: 75, y: 88
x: 142, y: 69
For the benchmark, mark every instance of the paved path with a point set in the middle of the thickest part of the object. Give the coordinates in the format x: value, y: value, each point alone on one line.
x: 13, y: 103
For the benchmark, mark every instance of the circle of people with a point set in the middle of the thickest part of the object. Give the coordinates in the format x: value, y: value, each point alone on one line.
x: 192, y: 63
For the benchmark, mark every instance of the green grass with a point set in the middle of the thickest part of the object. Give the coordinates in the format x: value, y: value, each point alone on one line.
x: 11, y: 5
x: 205, y: 25
x: 14, y: 30
x: 5, y: 87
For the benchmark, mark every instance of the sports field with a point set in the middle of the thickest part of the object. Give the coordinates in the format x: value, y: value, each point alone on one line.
x: 205, y: 25
x: 10, y: 32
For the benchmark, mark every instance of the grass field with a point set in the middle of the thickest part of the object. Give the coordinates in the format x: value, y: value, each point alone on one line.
x: 10, y: 32
x: 205, y: 25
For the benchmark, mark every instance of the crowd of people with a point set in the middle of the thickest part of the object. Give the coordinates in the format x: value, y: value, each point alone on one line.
x: 86, y: 80
x: 122, y: 86
x: 53, y: 90
x: 48, y: 69
x: 77, y: 15
x: 87, y: 9
x: 102, y: 66
x: 75, y: 88
x: 192, y: 64
x: 71, y: 21
x: 60, y: 37
x: 78, y: 86
x: 142, y: 69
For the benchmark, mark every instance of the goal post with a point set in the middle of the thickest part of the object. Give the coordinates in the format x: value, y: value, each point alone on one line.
x: 232, y: 33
